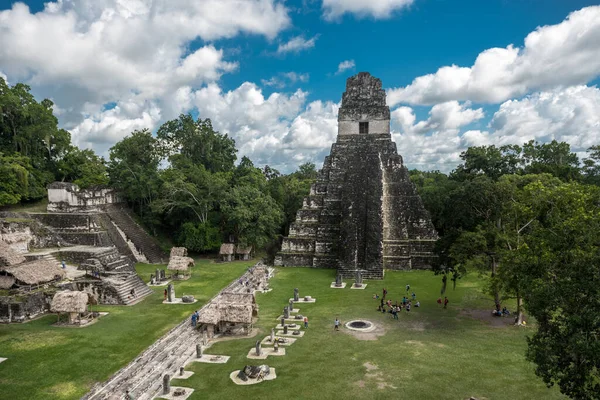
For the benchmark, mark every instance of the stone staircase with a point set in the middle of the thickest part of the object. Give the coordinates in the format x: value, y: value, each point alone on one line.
x: 143, y: 376
x: 124, y: 285
x: 52, y: 260
x: 142, y: 241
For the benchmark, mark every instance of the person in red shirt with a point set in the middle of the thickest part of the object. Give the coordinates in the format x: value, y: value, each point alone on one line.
x: 445, y: 302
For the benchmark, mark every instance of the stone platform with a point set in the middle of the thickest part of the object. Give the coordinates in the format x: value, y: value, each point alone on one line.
x: 289, y: 334
x: 272, y: 375
x: 265, y: 352
x: 364, y: 286
x: 208, y: 359
x: 177, y: 300
x: 171, y: 395
x: 337, y: 287
x: 266, y: 341
x: 312, y: 300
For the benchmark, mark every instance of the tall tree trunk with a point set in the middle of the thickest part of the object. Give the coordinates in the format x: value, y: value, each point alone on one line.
x: 494, y: 285
x: 519, y: 319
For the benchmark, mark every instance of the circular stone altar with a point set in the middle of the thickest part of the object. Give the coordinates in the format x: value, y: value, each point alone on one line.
x: 360, y: 325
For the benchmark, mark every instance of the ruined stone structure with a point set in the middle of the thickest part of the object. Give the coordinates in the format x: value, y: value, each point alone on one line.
x: 363, y: 212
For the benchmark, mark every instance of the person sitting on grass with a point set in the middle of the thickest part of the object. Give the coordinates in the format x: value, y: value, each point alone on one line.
x: 505, y: 311
x: 497, y: 313
x: 418, y: 304
x: 375, y: 296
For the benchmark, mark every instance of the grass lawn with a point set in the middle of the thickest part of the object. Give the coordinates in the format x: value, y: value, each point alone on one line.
x: 46, y: 362
x: 430, y: 353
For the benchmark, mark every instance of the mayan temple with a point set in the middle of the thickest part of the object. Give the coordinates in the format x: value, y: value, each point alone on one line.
x: 363, y: 212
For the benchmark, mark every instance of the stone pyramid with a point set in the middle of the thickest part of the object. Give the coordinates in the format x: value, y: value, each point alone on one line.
x: 363, y: 212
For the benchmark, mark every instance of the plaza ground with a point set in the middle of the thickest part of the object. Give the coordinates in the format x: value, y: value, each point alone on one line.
x: 430, y: 353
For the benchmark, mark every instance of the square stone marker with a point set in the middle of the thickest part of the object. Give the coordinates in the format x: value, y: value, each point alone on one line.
x: 266, y: 342
x: 337, y: 287
x: 2, y: 359
x: 298, y: 326
x: 160, y: 284
x: 364, y: 286
x: 289, y: 334
x: 171, y: 396
x: 177, y: 300
x: 206, y: 358
x: 301, y: 300
x: 265, y: 352
x: 186, y: 374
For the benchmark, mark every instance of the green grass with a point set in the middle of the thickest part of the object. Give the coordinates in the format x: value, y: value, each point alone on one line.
x: 35, y: 206
x: 46, y: 362
x: 430, y: 353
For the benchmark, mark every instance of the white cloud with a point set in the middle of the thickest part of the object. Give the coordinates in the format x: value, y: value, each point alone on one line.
x: 571, y: 115
x: 565, y: 54
x: 378, y: 9
x: 85, y: 53
x: 279, y: 130
x: 284, y: 79
x: 345, y: 65
x: 296, y: 44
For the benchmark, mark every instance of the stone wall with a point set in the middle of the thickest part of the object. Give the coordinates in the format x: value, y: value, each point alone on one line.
x: 66, y: 197
x: 23, y: 307
x: 104, y: 292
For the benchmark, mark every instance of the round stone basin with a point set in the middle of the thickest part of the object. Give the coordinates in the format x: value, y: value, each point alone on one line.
x: 360, y: 325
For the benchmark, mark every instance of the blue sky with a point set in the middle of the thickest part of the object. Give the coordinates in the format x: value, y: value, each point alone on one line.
x: 112, y: 66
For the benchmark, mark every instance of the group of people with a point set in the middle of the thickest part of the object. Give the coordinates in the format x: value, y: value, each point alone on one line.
x: 500, y: 313
x: 395, y: 308
x: 446, y: 301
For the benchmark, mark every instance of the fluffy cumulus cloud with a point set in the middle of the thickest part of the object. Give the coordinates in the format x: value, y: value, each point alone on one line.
x: 296, y: 45
x: 379, y: 9
x: 86, y: 53
x: 344, y: 66
x: 571, y: 115
x: 280, y: 130
x: 563, y: 55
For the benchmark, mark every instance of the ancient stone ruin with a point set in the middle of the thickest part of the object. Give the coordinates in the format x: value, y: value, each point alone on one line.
x: 363, y: 212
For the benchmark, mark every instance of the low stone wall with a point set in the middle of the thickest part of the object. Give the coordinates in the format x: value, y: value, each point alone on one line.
x: 23, y: 307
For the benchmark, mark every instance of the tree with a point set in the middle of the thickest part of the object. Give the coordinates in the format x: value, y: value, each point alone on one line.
x: 251, y: 216
x: 558, y: 271
x: 198, y: 142
x: 133, y: 169
x: 83, y: 167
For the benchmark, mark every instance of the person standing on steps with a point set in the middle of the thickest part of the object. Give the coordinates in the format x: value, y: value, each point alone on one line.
x: 336, y: 326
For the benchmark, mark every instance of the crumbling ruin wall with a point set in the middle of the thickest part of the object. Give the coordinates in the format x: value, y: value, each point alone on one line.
x: 24, y: 306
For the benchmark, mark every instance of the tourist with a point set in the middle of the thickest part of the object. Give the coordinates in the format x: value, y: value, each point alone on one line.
x: 505, y: 311
x: 414, y: 296
x: 336, y: 325
x: 194, y: 319
x: 128, y: 395
x: 64, y: 266
x: 132, y: 292
x: 376, y: 296
x: 408, y: 307
x: 407, y: 288
x: 305, y: 322
x: 418, y: 304
x: 395, y: 312
x: 446, y: 302
x: 404, y: 300
x: 384, y: 292
x: 381, y: 303
x: 439, y: 301
x: 165, y: 294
